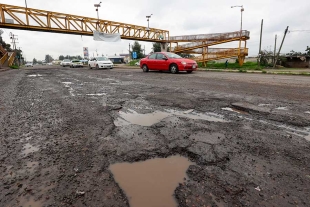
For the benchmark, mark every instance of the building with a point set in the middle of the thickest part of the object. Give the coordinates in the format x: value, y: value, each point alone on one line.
x: 297, y: 61
x: 117, y: 59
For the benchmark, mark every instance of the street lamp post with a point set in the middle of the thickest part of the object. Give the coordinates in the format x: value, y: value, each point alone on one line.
x: 97, y: 6
x: 148, y: 21
x: 241, y: 10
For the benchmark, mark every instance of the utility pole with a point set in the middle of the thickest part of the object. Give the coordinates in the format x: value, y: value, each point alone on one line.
x: 276, y: 60
x: 275, y: 47
x: 260, y: 43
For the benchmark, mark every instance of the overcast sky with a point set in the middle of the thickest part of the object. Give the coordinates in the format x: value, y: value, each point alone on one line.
x: 180, y: 17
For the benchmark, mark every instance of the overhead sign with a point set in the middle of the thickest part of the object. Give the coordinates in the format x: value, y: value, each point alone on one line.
x: 100, y: 36
x: 85, y: 52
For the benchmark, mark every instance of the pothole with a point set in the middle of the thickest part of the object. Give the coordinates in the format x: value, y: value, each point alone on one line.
x: 34, y: 75
x: 284, y: 108
x: 133, y: 117
x: 28, y: 148
x: 234, y: 110
x: 152, y: 181
x: 148, y: 119
x: 96, y: 94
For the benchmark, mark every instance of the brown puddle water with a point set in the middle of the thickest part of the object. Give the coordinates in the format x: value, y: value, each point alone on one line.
x: 152, y: 182
x: 140, y: 119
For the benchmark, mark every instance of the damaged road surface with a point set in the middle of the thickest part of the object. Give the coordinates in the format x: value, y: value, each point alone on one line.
x: 79, y: 137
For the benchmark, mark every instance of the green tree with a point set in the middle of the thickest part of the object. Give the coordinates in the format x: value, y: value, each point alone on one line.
x: 48, y: 58
x: 61, y: 57
x: 308, y: 51
x: 136, y: 47
x: 156, y: 47
x: 34, y: 61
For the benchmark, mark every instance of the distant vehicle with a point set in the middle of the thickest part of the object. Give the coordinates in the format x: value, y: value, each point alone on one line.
x: 76, y: 64
x: 49, y: 63
x: 65, y: 62
x: 167, y: 61
x: 137, y: 63
x: 100, y: 62
x: 29, y: 65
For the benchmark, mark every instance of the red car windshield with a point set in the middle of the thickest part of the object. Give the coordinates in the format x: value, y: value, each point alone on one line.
x: 172, y: 55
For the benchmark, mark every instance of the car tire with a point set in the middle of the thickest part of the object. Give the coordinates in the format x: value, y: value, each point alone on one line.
x: 189, y: 71
x: 145, y: 68
x: 174, y: 68
x: 97, y: 67
x: 89, y: 66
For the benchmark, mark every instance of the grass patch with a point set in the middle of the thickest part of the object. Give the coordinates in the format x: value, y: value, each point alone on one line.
x: 247, y: 66
x: 133, y: 62
x: 14, y: 67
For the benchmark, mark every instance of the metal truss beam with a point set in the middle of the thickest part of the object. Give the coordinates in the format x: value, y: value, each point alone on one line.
x: 16, y: 17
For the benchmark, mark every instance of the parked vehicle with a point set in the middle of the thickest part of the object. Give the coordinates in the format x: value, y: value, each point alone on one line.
x: 29, y: 65
x: 100, y: 62
x: 49, y: 63
x: 65, y: 62
x: 167, y: 61
x: 76, y: 64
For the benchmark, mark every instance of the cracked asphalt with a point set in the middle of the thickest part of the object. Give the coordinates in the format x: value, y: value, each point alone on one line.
x: 58, y: 135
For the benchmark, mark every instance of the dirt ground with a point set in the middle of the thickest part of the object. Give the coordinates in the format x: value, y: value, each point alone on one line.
x: 59, y: 134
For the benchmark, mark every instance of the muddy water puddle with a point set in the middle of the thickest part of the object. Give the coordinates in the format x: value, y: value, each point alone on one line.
x: 148, y: 119
x: 133, y: 117
x: 151, y: 182
x: 28, y: 148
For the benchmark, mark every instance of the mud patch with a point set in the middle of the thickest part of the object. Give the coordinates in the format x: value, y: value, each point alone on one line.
x: 208, y: 138
x: 151, y: 182
x: 96, y: 94
x: 34, y: 75
x: 132, y: 117
x: 234, y: 110
x: 30, y: 202
x: 30, y: 166
x: 202, y: 116
x: 284, y: 108
x: 307, y: 137
x: 28, y: 148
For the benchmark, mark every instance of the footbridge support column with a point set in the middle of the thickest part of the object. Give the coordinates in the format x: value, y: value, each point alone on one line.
x: 163, y: 47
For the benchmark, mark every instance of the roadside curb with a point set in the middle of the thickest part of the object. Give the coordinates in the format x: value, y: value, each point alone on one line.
x: 4, y: 69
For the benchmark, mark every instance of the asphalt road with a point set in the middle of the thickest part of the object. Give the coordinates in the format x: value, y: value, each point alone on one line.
x: 61, y: 130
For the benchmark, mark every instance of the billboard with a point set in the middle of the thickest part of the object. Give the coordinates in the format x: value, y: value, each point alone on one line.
x: 85, y: 52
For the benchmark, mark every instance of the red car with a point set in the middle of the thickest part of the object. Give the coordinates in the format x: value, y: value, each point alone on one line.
x: 167, y: 61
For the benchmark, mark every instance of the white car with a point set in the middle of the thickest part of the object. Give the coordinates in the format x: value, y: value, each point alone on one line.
x: 76, y: 64
x: 49, y: 63
x: 29, y: 65
x: 100, y: 62
x: 65, y: 62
